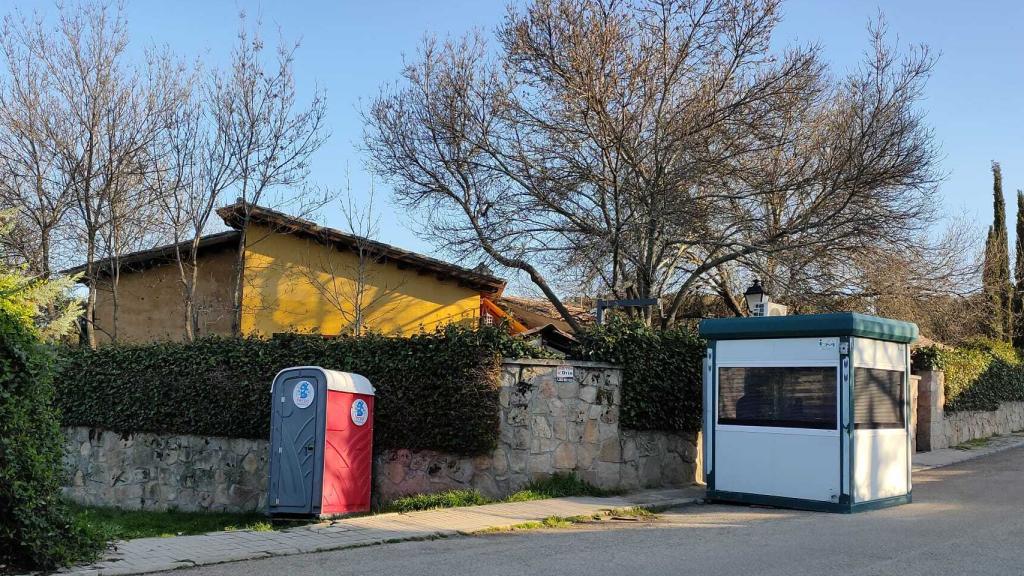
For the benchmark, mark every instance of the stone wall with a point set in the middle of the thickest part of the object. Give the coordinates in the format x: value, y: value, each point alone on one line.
x: 959, y: 427
x: 151, y: 471
x: 931, y: 399
x: 548, y: 426
x: 937, y: 429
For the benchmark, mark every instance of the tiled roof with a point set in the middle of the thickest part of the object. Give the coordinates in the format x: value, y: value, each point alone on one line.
x: 163, y: 254
x: 234, y: 215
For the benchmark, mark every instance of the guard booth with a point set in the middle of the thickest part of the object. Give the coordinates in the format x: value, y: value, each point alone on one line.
x: 808, y: 412
x: 321, y: 443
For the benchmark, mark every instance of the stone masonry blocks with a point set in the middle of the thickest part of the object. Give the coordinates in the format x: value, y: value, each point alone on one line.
x: 550, y: 427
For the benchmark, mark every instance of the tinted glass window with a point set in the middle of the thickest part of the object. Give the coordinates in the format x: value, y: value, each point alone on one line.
x: 786, y: 397
x: 877, y: 398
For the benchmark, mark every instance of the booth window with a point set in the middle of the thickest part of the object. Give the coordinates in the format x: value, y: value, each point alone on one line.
x: 877, y: 398
x: 785, y: 397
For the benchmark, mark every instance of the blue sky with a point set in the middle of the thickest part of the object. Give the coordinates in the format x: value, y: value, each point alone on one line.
x: 349, y: 48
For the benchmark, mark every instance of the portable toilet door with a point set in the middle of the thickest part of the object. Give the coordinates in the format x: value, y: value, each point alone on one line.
x: 321, y: 442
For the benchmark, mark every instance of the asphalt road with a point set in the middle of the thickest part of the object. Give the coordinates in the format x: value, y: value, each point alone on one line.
x: 966, y: 519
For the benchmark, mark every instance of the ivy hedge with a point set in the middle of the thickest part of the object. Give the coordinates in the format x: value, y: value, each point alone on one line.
x: 435, y: 391
x: 37, y: 529
x: 662, y: 381
x: 979, y: 375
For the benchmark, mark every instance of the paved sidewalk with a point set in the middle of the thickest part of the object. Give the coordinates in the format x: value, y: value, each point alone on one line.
x: 950, y: 456
x: 157, y: 554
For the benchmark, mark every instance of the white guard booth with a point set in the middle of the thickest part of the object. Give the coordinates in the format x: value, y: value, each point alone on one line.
x: 808, y: 411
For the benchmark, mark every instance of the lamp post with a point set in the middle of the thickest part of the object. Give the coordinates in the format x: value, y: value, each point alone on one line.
x: 756, y: 296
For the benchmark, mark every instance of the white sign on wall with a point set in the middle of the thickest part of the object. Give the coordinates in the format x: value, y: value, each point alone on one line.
x: 564, y: 373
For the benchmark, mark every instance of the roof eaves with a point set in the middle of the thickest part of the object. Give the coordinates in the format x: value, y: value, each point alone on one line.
x: 144, y: 258
x: 233, y: 216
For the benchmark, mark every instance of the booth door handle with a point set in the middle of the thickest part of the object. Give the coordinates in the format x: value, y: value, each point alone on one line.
x: 309, y: 447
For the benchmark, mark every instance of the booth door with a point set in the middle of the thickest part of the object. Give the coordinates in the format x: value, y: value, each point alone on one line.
x: 298, y: 403
x: 776, y: 430
x: 881, y: 450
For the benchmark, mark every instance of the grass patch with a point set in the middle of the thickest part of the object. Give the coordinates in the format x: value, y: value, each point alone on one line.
x: 972, y: 444
x: 559, y: 486
x: 447, y: 499
x: 634, y: 513
x: 255, y: 527
x: 116, y: 524
x: 549, y: 522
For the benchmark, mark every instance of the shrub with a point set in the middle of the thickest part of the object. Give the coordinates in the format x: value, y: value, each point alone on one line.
x: 36, y: 528
x: 979, y: 375
x: 662, y: 382
x: 435, y: 391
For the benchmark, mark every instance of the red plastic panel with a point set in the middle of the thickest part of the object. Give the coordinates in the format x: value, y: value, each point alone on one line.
x: 348, y: 455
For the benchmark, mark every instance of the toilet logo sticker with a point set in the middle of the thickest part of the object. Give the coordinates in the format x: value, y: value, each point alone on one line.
x: 303, y: 394
x: 360, y: 412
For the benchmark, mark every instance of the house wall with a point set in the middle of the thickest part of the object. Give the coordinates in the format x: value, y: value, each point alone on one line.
x: 294, y: 284
x: 150, y: 305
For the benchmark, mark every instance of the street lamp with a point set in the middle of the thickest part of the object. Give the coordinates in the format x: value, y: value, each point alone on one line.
x: 756, y: 297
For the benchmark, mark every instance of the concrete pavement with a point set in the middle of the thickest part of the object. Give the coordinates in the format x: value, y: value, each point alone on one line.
x: 966, y: 518
x: 157, y: 554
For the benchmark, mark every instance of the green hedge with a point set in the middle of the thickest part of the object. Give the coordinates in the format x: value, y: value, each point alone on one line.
x: 662, y: 382
x: 979, y: 375
x: 435, y: 391
x: 37, y: 530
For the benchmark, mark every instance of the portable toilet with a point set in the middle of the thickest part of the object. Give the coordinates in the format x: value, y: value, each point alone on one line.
x: 321, y: 442
x: 808, y: 412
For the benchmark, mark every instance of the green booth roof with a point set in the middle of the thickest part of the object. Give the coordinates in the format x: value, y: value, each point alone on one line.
x: 809, y: 326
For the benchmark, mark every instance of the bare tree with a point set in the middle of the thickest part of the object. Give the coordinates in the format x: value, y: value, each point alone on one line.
x: 130, y: 223
x: 354, y: 287
x: 97, y: 118
x: 648, y: 144
x: 133, y: 216
x: 918, y: 282
x: 190, y: 174
x: 32, y: 183
x: 104, y: 157
x: 268, y: 137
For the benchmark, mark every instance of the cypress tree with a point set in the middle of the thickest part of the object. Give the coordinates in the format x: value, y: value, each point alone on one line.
x: 1018, y: 276
x: 996, y: 271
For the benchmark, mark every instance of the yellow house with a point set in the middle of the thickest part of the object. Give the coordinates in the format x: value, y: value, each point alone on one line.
x: 297, y: 277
